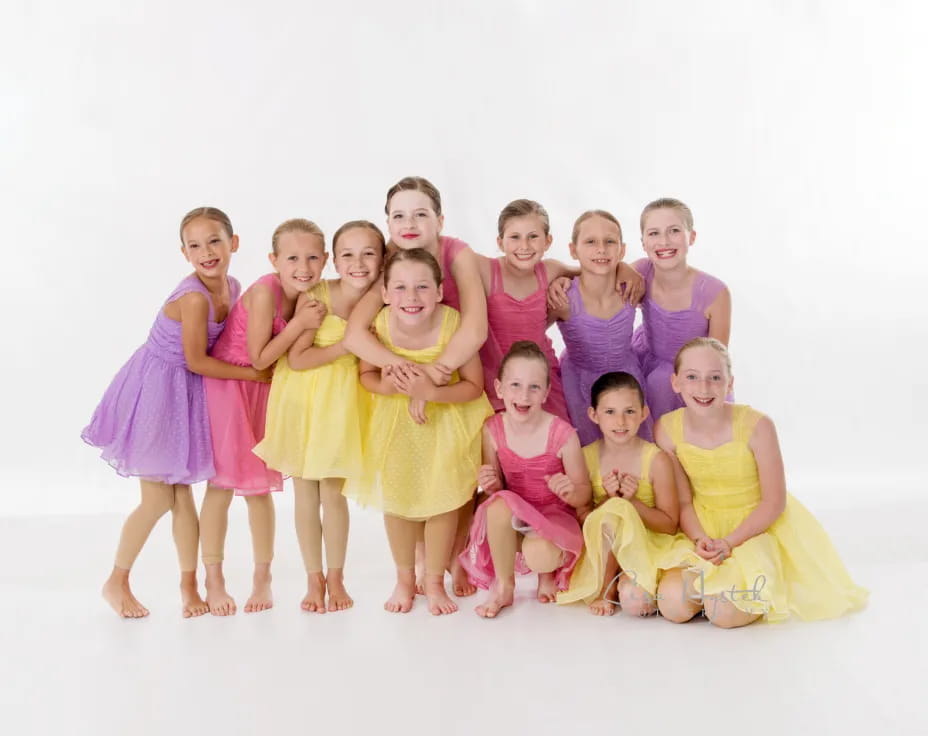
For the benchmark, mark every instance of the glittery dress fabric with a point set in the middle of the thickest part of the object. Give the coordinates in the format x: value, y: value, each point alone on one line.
x: 152, y: 420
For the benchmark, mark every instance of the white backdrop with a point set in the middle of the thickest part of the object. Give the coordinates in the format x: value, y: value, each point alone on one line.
x: 795, y: 130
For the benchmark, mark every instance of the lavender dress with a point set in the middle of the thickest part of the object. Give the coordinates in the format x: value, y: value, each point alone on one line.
x: 152, y: 420
x: 663, y: 333
x: 592, y: 347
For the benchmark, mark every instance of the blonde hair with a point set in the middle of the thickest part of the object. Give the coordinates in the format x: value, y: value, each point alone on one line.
x: 413, y: 255
x: 594, y: 213
x: 668, y: 203
x: 210, y: 213
x: 361, y: 225
x: 415, y: 184
x: 522, y: 208
x: 296, y: 225
x: 704, y: 342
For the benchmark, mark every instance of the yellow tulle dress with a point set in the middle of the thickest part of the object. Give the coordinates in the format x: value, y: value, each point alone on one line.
x: 636, y: 548
x: 417, y: 471
x: 316, y: 418
x: 791, y: 569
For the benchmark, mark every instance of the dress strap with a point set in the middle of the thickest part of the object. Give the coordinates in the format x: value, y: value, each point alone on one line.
x: 272, y: 281
x: 497, y: 431
x: 541, y: 276
x: 673, y: 424
x: 496, y: 276
x: 574, y: 299
x: 450, y: 321
x: 558, y: 433
x: 744, y: 419
x: 705, y: 289
x: 450, y: 247
x: 647, y: 457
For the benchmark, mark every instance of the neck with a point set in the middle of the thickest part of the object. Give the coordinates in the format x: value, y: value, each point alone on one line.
x: 528, y: 426
x: 514, y: 272
x: 418, y: 329
x: 352, y: 294
x: 675, y: 278
x: 598, y: 285
x: 632, y: 447
x: 214, y: 284
x: 290, y: 294
x: 708, y: 422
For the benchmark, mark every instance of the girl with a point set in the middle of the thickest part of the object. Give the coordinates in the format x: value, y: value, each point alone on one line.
x: 317, y: 415
x: 748, y: 548
x: 152, y: 421
x: 636, y: 505
x: 414, y: 220
x: 595, y: 323
x: 420, y: 475
x: 533, y: 468
x: 680, y: 302
x: 263, y: 324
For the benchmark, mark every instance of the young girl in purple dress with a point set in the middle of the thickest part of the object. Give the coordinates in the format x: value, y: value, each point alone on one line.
x: 152, y: 421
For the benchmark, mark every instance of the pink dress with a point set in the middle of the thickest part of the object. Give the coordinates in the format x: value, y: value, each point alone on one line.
x: 532, y: 504
x: 237, y: 409
x: 509, y: 320
x: 450, y: 247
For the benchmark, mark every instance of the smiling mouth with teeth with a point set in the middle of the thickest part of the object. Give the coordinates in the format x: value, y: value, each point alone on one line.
x: 411, y: 310
x: 666, y: 252
x: 703, y: 402
x: 209, y: 264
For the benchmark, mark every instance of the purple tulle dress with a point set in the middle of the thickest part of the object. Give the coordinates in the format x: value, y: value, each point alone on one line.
x: 592, y: 347
x: 152, y: 420
x: 663, y: 333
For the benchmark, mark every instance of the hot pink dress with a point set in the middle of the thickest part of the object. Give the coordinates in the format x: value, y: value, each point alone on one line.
x: 509, y: 320
x: 532, y: 504
x: 237, y: 409
x: 449, y: 249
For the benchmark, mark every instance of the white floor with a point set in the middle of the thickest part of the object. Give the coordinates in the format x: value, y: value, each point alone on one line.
x: 70, y: 666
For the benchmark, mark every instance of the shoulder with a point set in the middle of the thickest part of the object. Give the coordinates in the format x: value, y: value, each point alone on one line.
x: 591, y: 456
x: 668, y: 428
x: 453, y: 246
x: 642, y: 266
x: 451, y: 317
x: 710, y: 285
x: 751, y: 424
x: 655, y: 459
x: 563, y: 434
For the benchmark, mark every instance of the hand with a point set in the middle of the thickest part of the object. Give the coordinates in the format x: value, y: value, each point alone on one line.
x: 488, y: 479
x: 560, y: 485
x: 715, y: 551
x: 557, y: 293
x: 632, y: 283
x: 438, y: 373
x: 612, y: 482
x: 310, y: 315
x: 416, y: 410
x: 412, y: 381
x: 628, y: 486
x: 264, y: 375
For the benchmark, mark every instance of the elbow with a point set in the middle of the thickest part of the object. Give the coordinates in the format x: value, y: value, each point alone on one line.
x: 259, y: 363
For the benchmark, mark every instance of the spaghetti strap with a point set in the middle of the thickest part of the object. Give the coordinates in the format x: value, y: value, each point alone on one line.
x: 558, y: 434
x: 496, y: 276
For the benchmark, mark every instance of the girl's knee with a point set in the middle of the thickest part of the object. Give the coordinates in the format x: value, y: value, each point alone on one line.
x: 673, y: 599
x: 498, y: 511
x: 724, y: 614
x: 541, y: 555
x: 635, y: 600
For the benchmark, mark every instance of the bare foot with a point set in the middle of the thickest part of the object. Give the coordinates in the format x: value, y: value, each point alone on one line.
x: 260, y: 598
x: 420, y: 568
x: 602, y: 607
x: 500, y: 596
x: 460, y: 583
x: 439, y: 602
x: 314, y: 600
x: 339, y: 600
x: 219, y: 601
x: 547, y: 588
x: 403, y: 594
x: 116, y: 592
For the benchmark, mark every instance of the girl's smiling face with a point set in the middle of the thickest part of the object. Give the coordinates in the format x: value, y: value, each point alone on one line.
x: 412, y: 221
x: 598, y: 245
x: 523, y: 387
x: 299, y: 260
x: 411, y: 292
x: 524, y: 241
x: 619, y: 413
x: 358, y: 257
x: 208, y: 247
x: 703, y: 380
x: 665, y: 237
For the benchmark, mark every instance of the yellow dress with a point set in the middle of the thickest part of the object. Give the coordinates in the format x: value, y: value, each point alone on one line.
x: 417, y: 471
x: 636, y: 548
x: 316, y: 418
x: 792, y: 568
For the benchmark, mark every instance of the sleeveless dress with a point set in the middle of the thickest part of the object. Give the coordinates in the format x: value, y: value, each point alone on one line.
x: 152, y: 420
x: 416, y: 471
x: 237, y: 408
x: 663, y: 332
x: 532, y: 504
x: 509, y: 320
x: 792, y: 568
x: 448, y: 251
x: 317, y: 417
x: 636, y: 547
x: 592, y: 347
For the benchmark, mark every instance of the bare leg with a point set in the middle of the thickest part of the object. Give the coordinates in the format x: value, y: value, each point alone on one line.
x: 335, y: 523
x: 460, y: 583
x: 724, y: 614
x: 214, y: 521
x: 504, y: 542
x: 543, y: 557
x: 186, y: 529
x: 156, y: 500
x: 309, y: 533
x: 677, y: 598
x: 439, y: 539
x: 420, y: 561
x: 634, y: 599
x: 261, y: 521
x: 604, y: 605
x: 402, y: 535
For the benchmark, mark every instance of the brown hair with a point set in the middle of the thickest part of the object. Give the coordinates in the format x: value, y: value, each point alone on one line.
x: 668, y: 203
x: 296, y: 225
x: 594, y: 213
x: 522, y: 208
x: 613, y: 382
x: 525, y: 349
x: 361, y: 225
x: 415, y: 184
x: 210, y: 213
x: 413, y: 255
x: 704, y: 342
